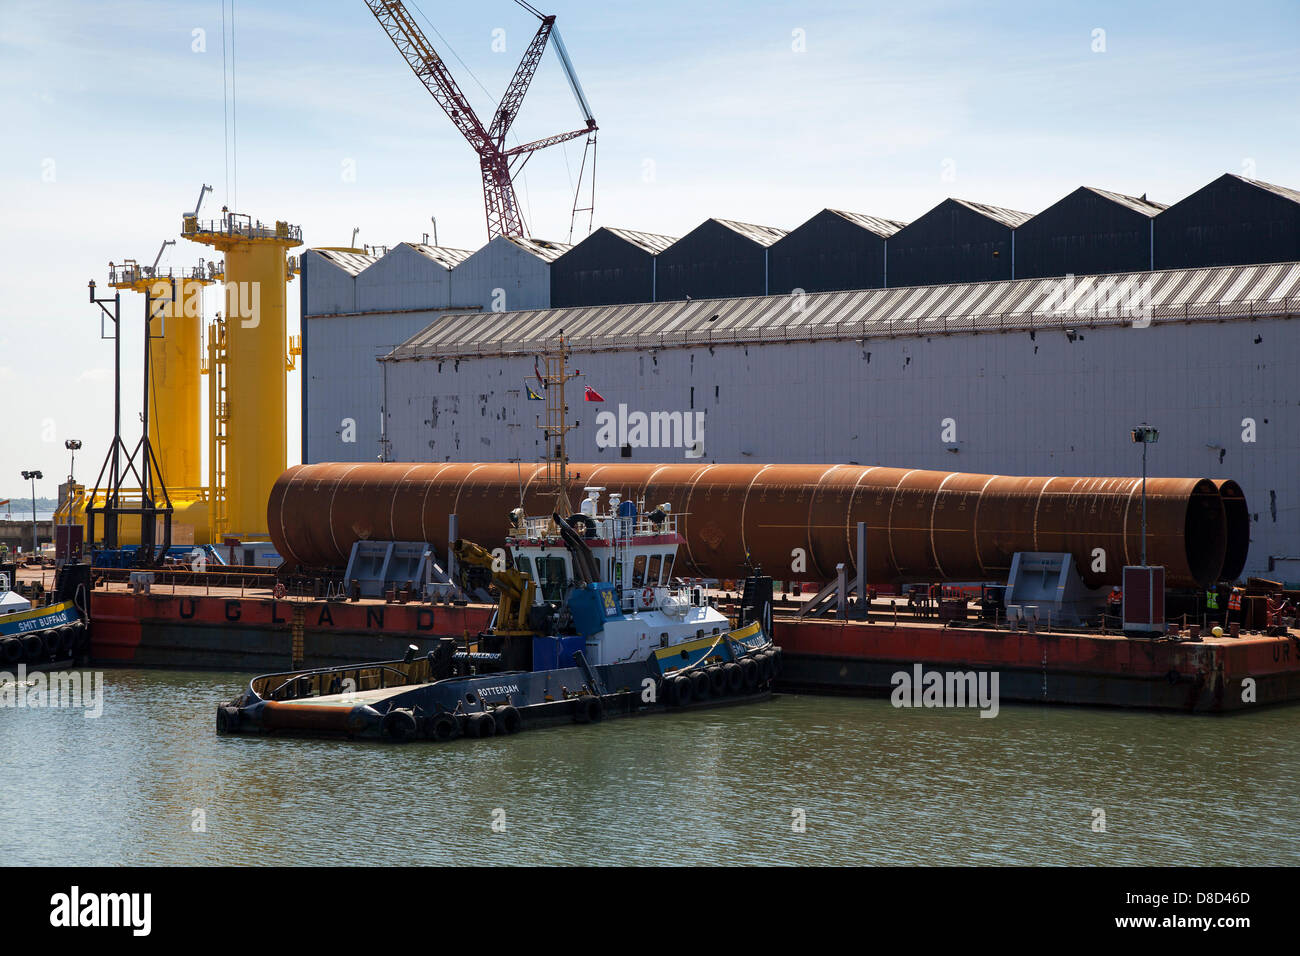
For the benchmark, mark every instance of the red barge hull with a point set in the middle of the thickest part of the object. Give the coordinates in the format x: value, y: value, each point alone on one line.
x: 256, y: 633
x: 852, y: 657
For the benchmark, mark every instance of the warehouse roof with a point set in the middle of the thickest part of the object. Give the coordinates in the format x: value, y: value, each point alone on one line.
x: 884, y: 228
x: 353, y: 263
x: 543, y: 249
x: 1134, y: 298
x: 649, y: 241
x: 447, y: 258
x: 1284, y: 191
x: 1136, y: 203
x: 763, y: 235
x: 1008, y: 217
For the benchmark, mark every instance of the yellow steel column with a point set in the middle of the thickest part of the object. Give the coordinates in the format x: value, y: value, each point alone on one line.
x: 175, y: 420
x: 256, y: 342
x: 176, y: 413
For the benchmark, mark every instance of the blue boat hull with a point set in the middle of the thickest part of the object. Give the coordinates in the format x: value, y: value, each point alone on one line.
x: 387, y: 700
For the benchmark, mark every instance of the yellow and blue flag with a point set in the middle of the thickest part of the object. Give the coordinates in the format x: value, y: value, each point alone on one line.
x: 532, y: 396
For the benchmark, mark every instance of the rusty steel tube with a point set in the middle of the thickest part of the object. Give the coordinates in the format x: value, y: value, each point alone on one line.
x: 921, y: 525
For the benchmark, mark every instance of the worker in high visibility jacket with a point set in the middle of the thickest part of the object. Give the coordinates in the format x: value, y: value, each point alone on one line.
x: 1115, y: 598
x: 1234, y: 600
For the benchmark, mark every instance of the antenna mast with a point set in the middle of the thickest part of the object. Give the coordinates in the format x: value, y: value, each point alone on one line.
x: 557, y: 426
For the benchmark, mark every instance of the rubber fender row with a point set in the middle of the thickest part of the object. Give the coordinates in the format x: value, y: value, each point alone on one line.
x: 745, y: 676
x: 401, y: 724
x: 39, y: 647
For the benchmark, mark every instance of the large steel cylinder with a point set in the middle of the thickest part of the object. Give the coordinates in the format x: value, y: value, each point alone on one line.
x: 796, y: 521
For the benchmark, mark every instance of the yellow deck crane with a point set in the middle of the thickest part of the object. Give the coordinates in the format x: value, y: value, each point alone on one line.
x: 517, y: 590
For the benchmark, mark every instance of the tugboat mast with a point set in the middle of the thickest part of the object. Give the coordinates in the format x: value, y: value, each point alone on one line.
x: 557, y: 426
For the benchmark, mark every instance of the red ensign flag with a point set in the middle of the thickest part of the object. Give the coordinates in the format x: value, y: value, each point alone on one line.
x: 591, y: 395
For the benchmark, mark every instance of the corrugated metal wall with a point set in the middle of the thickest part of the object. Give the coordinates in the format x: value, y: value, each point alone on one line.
x: 603, y: 269
x: 712, y: 262
x: 1232, y: 221
x: 950, y: 243
x: 1086, y: 233
x: 399, y: 294
x: 825, y: 254
x: 404, y: 279
x: 330, y: 289
x: 502, y: 277
x: 1019, y: 404
x: 343, y: 381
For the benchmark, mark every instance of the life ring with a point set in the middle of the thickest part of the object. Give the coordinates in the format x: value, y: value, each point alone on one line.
x: 508, y: 719
x: 647, y: 597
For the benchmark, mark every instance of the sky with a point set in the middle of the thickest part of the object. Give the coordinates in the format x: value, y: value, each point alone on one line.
x: 115, y: 114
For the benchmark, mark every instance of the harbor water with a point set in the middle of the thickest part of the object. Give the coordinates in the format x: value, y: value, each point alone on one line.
x: 802, y: 780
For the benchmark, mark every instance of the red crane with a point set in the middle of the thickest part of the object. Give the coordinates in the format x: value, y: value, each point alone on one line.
x: 497, y: 164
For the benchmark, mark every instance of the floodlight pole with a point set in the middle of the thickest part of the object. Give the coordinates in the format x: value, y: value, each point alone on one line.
x: 1144, y: 504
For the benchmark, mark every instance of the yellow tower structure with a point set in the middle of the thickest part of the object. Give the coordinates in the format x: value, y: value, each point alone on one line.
x: 175, y: 353
x: 249, y: 411
x: 175, y: 413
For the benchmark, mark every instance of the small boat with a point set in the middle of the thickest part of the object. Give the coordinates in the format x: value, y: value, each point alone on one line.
x: 590, y: 623
x: 39, y: 637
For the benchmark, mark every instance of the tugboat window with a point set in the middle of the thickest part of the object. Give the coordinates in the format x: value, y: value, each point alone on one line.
x: 652, y: 574
x: 525, y: 565
x: 552, y: 578
x: 668, y: 567
x: 638, y: 571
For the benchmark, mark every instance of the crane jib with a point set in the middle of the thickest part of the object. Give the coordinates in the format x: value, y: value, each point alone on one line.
x: 502, y: 206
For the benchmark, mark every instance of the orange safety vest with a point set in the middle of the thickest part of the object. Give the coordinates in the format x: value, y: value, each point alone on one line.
x: 1116, y: 597
x: 1234, y: 600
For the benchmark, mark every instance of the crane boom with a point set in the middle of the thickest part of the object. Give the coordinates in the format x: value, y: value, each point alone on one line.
x: 508, y: 108
x: 504, y: 217
x: 428, y: 66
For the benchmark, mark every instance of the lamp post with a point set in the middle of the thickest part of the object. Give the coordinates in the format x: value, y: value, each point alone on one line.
x: 1144, y: 435
x: 33, y: 476
x: 73, y: 446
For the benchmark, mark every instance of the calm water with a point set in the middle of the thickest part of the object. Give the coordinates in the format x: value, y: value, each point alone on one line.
x: 877, y: 785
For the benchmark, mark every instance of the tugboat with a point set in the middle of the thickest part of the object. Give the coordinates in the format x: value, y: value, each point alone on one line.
x: 590, y: 624
x: 39, y: 638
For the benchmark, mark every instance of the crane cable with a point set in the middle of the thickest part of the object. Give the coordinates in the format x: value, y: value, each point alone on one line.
x: 229, y: 109
x: 225, y: 106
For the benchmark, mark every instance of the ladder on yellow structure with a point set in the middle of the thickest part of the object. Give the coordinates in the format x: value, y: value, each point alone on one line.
x: 218, y: 425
